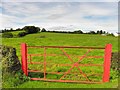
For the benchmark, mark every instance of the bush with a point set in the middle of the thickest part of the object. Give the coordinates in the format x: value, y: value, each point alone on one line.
x: 10, y: 80
x: 7, y: 35
x: 20, y: 78
x: 21, y: 34
x: 31, y: 29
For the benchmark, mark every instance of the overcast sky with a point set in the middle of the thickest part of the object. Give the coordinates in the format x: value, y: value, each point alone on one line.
x: 86, y: 15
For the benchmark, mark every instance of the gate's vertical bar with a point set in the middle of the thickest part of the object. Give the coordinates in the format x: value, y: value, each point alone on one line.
x: 107, y: 62
x: 44, y: 63
x: 24, y: 58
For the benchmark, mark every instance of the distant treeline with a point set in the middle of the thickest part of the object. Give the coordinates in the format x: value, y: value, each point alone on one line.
x: 79, y: 32
x: 10, y: 30
x: 33, y: 29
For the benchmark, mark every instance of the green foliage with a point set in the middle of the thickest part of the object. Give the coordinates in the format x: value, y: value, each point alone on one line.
x: 78, y: 32
x: 92, y: 32
x: 21, y: 34
x: 21, y: 77
x: 101, y: 32
x: 7, y: 35
x: 113, y: 74
x: 110, y: 34
x: 43, y: 30
x: 31, y: 29
x: 10, y: 80
x: 10, y: 30
x: 18, y: 29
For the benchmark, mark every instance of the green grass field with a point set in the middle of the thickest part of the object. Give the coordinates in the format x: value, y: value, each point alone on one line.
x: 58, y: 39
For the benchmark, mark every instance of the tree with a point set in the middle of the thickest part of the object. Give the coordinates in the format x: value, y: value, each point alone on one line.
x: 18, y: 29
x: 31, y: 29
x: 92, y: 32
x: 98, y: 32
x: 104, y: 32
x: 43, y: 30
x: 11, y: 29
x: 21, y: 34
x: 78, y: 32
x: 101, y: 31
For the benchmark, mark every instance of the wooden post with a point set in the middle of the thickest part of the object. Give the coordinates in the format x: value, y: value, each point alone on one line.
x: 24, y: 58
x: 107, y: 62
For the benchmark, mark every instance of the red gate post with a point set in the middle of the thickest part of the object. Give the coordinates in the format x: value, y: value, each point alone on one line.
x: 24, y: 58
x: 107, y: 62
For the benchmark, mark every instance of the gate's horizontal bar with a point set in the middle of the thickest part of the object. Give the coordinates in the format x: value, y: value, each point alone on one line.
x: 48, y: 63
x: 85, y: 47
x: 51, y: 80
x: 64, y: 55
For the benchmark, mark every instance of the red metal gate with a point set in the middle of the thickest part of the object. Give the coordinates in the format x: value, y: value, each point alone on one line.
x: 74, y: 69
